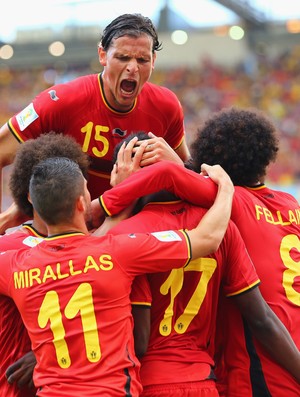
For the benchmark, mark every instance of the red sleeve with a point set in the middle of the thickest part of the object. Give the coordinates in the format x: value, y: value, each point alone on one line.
x: 152, y: 252
x: 184, y: 183
x: 172, y: 109
x: 240, y: 274
x: 33, y: 120
x: 140, y: 291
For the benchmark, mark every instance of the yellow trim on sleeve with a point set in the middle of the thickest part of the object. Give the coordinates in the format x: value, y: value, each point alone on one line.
x: 101, y: 201
x: 148, y: 304
x: 181, y: 140
x: 248, y: 288
x: 14, y: 132
x: 188, y: 243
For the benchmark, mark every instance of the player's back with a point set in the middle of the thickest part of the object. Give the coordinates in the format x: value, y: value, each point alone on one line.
x: 269, y: 222
x: 73, y: 293
x: 184, y: 301
x: 69, y: 324
x: 14, y: 339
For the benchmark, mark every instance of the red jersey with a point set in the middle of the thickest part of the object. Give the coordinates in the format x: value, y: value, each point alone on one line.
x: 184, y: 301
x: 14, y: 339
x: 78, y: 108
x: 269, y: 222
x: 73, y: 293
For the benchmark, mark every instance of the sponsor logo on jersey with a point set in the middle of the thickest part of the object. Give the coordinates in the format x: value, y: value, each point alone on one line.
x: 168, y: 235
x: 26, y: 117
x: 53, y: 95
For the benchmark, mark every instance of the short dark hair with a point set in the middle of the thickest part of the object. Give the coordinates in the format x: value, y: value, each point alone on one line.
x: 141, y: 135
x: 32, y: 152
x: 55, y: 185
x: 130, y: 25
x: 243, y: 141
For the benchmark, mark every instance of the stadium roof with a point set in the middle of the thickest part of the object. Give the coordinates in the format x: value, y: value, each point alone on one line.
x: 37, y: 14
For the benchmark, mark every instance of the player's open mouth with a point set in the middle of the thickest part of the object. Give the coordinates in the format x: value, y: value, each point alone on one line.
x: 128, y: 86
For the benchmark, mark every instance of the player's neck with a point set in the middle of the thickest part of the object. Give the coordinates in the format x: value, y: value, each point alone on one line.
x: 257, y: 184
x: 61, y: 232
x: 39, y: 225
x: 66, y: 228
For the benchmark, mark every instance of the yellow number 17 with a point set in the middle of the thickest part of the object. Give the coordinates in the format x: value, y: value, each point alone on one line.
x: 174, y: 284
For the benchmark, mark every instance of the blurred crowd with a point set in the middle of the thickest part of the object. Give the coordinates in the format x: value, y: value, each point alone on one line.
x: 272, y: 85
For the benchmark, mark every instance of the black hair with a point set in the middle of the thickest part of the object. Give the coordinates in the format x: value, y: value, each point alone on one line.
x: 141, y: 135
x: 55, y: 185
x: 130, y: 25
x: 243, y: 141
x: 32, y: 152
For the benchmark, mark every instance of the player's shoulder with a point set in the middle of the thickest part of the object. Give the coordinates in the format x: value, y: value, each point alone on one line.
x: 12, y: 254
x: 12, y: 239
x: 159, y: 93
x: 285, y: 196
x: 77, y: 87
x: 266, y: 193
x: 81, y: 83
x: 68, y: 94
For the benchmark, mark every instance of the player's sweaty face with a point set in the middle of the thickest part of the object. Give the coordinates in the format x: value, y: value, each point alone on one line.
x: 128, y: 64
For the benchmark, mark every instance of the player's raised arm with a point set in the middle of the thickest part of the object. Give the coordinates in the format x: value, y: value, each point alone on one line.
x: 211, y: 229
x: 163, y: 175
x: 8, y: 149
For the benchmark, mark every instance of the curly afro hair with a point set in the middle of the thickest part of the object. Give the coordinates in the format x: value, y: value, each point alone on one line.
x: 31, y: 153
x: 243, y: 141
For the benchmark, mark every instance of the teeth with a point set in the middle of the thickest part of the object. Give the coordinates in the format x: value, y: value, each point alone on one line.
x: 127, y: 92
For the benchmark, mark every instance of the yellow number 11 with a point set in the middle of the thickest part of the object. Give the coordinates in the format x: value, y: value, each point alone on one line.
x: 81, y: 302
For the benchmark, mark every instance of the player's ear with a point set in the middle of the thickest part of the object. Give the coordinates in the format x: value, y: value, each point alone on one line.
x: 102, y: 55
x: 80, y: 204
x: 153, y: 60
x: 28, y: 198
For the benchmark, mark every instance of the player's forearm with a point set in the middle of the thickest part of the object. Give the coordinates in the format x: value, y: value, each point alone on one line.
x: 1, y: 190
x: 9, y: 146
x: 277, y: 341
x: 207, y: 236
x: 11, y: 217
x: 112, y: 221
x: 184, y: 183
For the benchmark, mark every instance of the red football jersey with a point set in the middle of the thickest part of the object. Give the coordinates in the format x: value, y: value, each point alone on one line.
x: 269, y: 222
x: 73, y: 293
x: 14, y: 339
x: 183, y: 312
x: 78, y: 108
